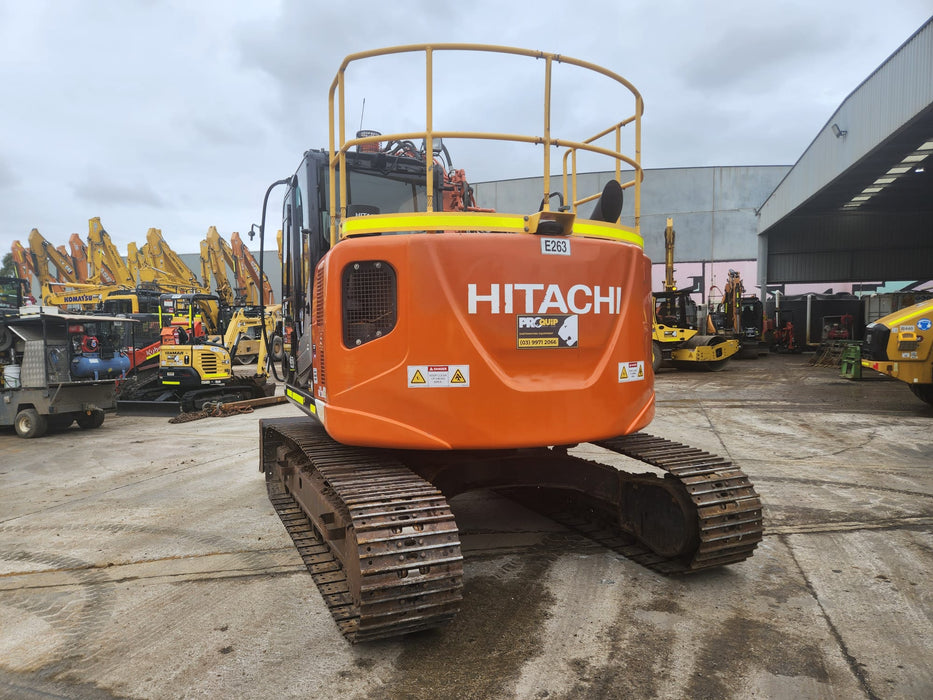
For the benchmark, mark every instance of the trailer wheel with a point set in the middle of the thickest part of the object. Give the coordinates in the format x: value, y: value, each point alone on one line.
x: 29, y: 424
x: 94, y: 420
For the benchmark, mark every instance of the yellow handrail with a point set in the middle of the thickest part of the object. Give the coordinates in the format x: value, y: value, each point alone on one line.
x: 339, y: 145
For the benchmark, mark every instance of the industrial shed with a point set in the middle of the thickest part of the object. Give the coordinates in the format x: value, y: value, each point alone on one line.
x: 714, y: 211
x: 856, y: 207
x: 858, y: 204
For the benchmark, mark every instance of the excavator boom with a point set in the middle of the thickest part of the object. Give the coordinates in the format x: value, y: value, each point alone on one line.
x: 45, y: 254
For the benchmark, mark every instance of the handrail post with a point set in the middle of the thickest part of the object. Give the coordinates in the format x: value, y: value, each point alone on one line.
x: 429, y: 118
x: 547, y: 132
x: 332, y: 194
x: 342, y: 154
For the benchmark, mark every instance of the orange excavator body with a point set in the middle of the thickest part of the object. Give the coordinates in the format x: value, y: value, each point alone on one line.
x: 476, y: 358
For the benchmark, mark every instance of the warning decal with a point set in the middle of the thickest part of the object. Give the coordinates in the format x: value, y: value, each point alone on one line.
x: 438, y: 376
x: 631, y: 371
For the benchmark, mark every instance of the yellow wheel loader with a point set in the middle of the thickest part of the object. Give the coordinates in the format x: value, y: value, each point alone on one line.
x: 900, y: 345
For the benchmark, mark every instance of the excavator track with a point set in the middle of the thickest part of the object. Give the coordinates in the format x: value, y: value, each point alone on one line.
x: 727, y: 509
x: 384, y: 550
x: 381, y: 543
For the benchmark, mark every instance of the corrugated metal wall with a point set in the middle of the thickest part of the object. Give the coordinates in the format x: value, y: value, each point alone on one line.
x: 713, y: 208
x: 846, y: 248
x: 897, y: 91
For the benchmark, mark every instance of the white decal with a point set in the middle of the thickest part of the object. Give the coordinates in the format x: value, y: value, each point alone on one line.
x: 568, y: 331
x: 631, y: 371
x: 531, y: 298
x: 555, y: 246
x: 436, y: 376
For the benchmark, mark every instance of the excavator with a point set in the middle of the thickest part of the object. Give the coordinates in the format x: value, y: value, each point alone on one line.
x: 900, y: 345
x: 438, y: 347
x: 194, y: 368
x: 240, y: 305
x: 739, y: 317
x: 675, y: 336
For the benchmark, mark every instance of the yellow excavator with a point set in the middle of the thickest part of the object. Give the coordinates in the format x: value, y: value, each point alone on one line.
x: 675, y: 336
x: 195, y: 368
x: 900, y: 345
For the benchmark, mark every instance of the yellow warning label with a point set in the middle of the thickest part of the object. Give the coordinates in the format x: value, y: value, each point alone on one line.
x: 418, y: 379
x: 457, y: 378
x: 641, y: 371
x: 623, y: 374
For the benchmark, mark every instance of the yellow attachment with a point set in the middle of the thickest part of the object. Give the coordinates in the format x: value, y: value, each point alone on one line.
x: 706, y: 353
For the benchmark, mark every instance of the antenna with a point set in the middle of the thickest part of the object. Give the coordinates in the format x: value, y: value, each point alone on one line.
x: 362, y: 109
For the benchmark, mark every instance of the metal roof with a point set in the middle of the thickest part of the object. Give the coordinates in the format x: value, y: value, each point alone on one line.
x: 858, y: 204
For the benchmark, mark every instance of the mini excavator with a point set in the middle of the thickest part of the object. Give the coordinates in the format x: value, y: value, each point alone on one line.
x: 437, y: 347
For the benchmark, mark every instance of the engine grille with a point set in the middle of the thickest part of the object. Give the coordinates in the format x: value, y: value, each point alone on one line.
x: 317, y: 322
x: 370, y: 302
x: 209, y: 362
x: 875, y: 346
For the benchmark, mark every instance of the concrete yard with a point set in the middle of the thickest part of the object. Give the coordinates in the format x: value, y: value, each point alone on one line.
x: 144, y: 560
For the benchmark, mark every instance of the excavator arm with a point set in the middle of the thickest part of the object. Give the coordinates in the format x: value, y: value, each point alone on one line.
x: 79, y: 256
x: 22, y: 260
x: 107, y: 266
x: 219, y: 257
x: 255, y: 280
x: 44, y: 254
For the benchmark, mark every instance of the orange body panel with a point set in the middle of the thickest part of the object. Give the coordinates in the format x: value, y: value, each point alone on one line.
x: 464, y: 300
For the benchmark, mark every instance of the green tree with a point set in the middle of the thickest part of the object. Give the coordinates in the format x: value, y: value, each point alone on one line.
x: 8, y: 269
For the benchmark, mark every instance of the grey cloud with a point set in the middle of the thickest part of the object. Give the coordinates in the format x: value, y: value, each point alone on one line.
x: 7, y: 177
x: 758, y: 56
x: 112, y: 193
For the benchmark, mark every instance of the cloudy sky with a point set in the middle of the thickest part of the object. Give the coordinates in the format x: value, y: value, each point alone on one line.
x: 177, y: 114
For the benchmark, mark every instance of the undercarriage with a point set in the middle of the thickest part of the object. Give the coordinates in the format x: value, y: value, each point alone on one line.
x: 377, y: 534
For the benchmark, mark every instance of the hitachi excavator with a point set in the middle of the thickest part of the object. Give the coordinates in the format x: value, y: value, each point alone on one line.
x: 437, y: 348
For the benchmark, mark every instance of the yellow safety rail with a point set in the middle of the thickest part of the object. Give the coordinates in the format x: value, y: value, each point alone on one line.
x: 339, y: 145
